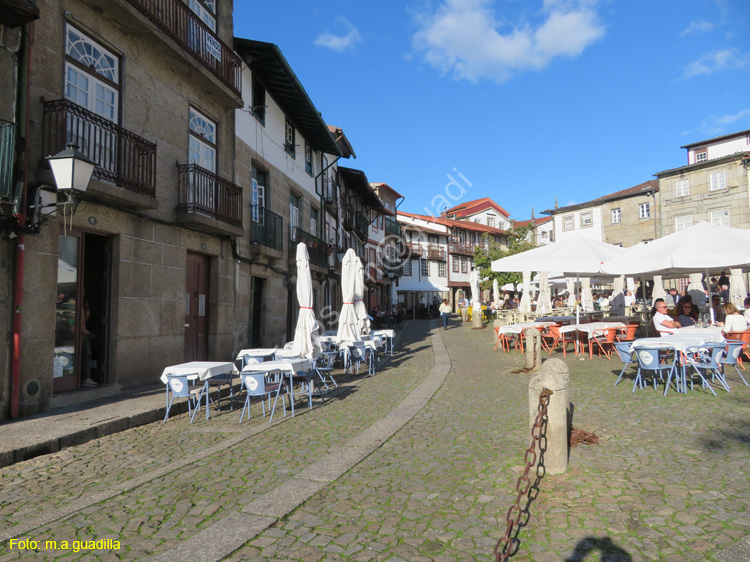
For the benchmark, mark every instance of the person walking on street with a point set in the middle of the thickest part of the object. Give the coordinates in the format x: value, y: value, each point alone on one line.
x: 445, y: 312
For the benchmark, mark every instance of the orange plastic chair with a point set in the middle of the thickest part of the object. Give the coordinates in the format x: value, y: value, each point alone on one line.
x: 605, y: 341
x: 627, y: 333
x: 554, y: 337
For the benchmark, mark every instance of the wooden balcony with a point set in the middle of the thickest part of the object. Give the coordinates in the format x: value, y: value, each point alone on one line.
x: 459, y: 248
x: 413, y: 249
x: 435, y: 252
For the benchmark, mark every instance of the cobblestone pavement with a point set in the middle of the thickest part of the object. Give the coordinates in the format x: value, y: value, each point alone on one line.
x: 667, y: 480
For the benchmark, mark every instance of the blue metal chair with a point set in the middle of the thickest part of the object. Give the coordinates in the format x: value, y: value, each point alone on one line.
x: 705, y: 360
x: 731, y: 357
x: 649, y: 360
x: 179, y: 386
x: 255, y: 385
x: 324, y: 367
x: 626, y: 356
x: 218, y: 381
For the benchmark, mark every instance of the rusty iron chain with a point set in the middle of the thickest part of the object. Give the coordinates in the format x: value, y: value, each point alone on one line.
x: 503, y: 548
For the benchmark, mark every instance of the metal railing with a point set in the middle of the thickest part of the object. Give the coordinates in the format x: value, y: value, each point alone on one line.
x: 205, y: 193
x: 317, y: 250
x: 361, y: 225
x: 331, y: 194
x: 7, y: 157
x: 180, y: 23
x: 392, y: 226
x: 266, y: 228
x: 123, y: 158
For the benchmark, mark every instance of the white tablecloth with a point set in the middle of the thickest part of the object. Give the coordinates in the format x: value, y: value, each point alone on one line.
x: 259, y: 354
x: 680, y: 341
x: 521, y: 326
x: 386, y: 333
x: 590, y: 327
x: 286, y: 365
x: 200, y: 370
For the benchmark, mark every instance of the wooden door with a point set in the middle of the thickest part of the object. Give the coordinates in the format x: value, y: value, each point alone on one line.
x: 196, y: 307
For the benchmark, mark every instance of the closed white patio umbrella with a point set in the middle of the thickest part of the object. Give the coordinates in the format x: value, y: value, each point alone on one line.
x: 737, y: 292
x: 658, y: 291
x: 359, y: 294
x: 543, y: 302
x: 495, y: 292
x: 348, y: 323
x: 617, y: 300
x: 525, y: 304
x: 306, y: 333
x: 587, y: 301
x: 696, y: 290
x: 570, y: 284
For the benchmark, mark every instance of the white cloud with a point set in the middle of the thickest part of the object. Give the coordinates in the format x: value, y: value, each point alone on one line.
x: 340, y: 43
x: 728, y: 59
x: 466, y: 39
x: 698, y: 28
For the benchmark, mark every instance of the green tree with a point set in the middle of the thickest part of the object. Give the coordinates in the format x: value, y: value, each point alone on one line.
x: 519, y: 240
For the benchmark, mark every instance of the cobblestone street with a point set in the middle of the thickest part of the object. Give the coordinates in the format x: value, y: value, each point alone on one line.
x: 667, y: 481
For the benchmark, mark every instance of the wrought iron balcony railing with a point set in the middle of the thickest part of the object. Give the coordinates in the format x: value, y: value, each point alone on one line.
x: 392, y: 226
x: 331, y: 195
x: 123, y: 158
x: 7, y: 157
x: 361, y: 226
x: 179, y: 22
x: 205, y: 193
x: 266, y: 228
x: 316, y: 248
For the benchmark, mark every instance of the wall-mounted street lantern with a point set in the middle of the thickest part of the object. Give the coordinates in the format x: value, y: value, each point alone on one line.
x: 72, y: 171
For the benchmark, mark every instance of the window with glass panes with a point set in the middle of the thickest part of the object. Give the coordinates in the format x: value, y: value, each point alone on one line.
x: 455, y: 261
x: 425, y: 268
x: 441, y: 269
x: 616, y: 216
x: 644, y: 210
x: 682, y: 188
x: 406, y: 269
x: 464, y: 265
x: 718, y: 181
x: 202, y: 141
x: 683, y: 222
x: 720, y: 217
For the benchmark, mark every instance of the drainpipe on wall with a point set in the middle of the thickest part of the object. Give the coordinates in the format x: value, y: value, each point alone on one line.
x: 15, y: 368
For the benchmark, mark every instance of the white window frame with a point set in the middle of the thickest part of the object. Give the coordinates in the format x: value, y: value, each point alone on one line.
x: 568, y: 219
x: 425, y: 268
x: 616, y: 216
x: 314, y: 221
x: 289, y: 138
x: 587, y: 220
x: 683, y: 222
x: 406, y: 268
x: 258, y: 201
x: 721, y: 217
x: 442, y: 270
x: 718, y: 181
x: 202, y: 134
x: 682, y: 188
x: 701, y: 156
x: 644, y: 210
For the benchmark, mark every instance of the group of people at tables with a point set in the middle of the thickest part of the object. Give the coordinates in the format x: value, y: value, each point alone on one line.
x: 686, y: 313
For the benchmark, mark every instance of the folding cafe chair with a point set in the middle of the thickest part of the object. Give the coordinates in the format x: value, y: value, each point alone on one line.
x: 255, y: 385
x: 179, y: 387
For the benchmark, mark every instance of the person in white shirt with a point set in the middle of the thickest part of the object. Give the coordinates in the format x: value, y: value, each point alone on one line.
x: 663, y: 323
x: 629, y: 298
x: 747, y: 309
x: 734, y: 321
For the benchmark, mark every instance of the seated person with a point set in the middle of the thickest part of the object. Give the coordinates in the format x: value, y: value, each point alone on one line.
x: 663, y: 323
x: 629, y: 298
x: 686, y: 313
x: 733, y: 321
x: 747, y: 309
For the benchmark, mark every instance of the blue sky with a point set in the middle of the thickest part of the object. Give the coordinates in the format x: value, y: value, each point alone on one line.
x: 527, y: 99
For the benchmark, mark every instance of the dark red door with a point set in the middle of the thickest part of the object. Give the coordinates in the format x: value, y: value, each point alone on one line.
x: 196, y: 307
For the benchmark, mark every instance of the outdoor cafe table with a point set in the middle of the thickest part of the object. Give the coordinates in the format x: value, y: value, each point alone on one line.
x: 590, y: 328
x: 520, y: 327
x: 558, y: 319
x: 200, y: 370
x: 258, y: 354
x: 389, y: 334
x: 290, y: 366
x: 684, y: 338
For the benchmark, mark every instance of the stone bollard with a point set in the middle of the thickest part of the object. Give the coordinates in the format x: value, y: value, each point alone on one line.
x: 533, y: 350
x: 554, y: 375
x: 477, y: 322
